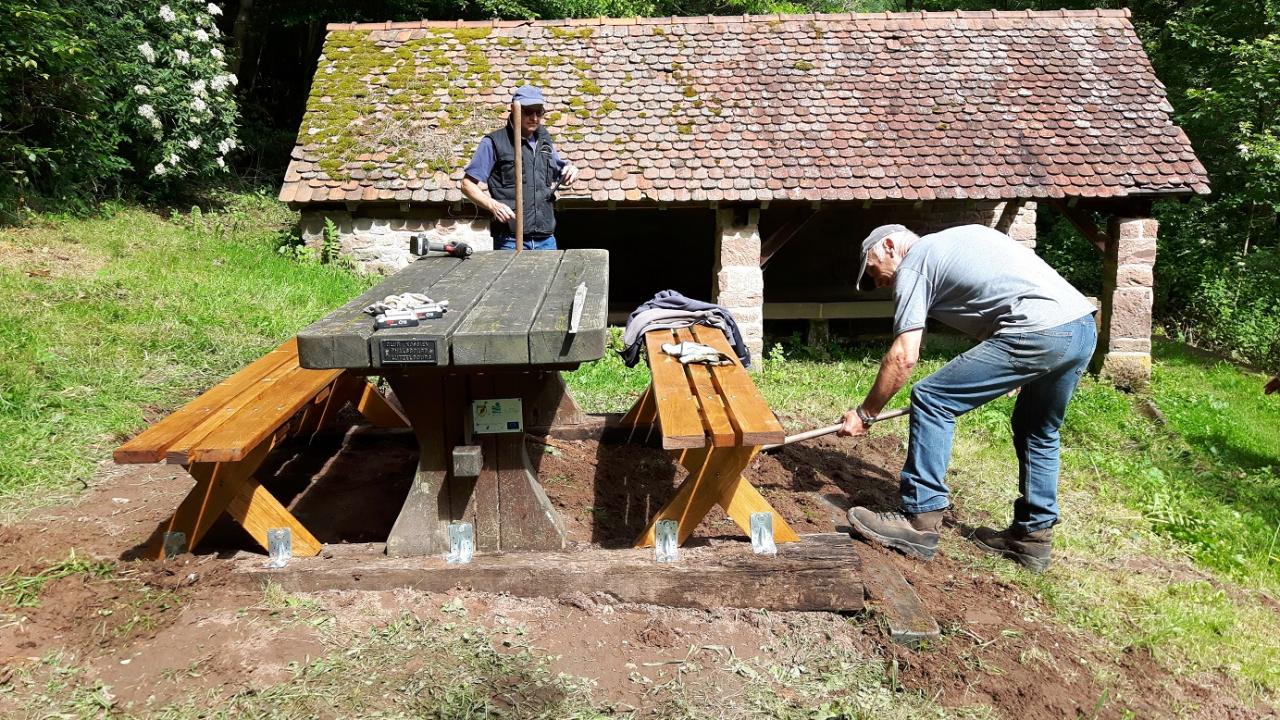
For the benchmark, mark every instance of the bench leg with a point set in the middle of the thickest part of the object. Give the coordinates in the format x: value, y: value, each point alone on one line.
x: 715, y: 477
x: 229, y: 487
x: 376, y: 409
x: 258, y: 511
x: 642, y: 417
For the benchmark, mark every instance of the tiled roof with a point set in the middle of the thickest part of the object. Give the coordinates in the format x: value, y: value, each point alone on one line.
x: 915, y: 106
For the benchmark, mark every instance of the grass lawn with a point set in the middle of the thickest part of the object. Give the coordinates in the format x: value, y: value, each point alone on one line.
x: 1171, y: 518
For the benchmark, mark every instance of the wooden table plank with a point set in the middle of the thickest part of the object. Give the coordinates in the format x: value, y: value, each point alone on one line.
x: 341, y: 339
x: 549, y: 341
x: 677, y: 407
x: 463, y: 288
x: 715, y: 419
x: 748, y: 409
x: 243, y: 387
x: 496, y: 330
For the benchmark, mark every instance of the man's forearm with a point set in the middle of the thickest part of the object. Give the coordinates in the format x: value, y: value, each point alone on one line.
x: 476, y: 194
x: 895, y: 370
x: 892, y: 376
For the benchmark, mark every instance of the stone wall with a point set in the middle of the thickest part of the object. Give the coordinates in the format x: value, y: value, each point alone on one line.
x: 1124, y: 340
x: 377, y: 239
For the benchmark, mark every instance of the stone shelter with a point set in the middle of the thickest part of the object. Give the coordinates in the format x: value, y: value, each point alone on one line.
x: 743, y: 158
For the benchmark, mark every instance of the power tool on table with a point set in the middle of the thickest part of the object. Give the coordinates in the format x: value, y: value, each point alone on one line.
x: 420, y: 245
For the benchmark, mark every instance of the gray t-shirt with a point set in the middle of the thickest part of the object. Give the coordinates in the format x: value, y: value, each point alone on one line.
x: 982, y: 283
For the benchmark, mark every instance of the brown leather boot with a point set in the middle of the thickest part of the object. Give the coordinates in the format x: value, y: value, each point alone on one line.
x: 1029, y: 549
x: 914, y: 535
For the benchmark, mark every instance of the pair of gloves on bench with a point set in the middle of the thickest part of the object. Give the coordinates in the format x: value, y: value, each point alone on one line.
x: 690, y: 353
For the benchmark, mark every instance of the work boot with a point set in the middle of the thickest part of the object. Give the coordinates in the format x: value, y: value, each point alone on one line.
x: 1028, y: 549
x: 914, y: 535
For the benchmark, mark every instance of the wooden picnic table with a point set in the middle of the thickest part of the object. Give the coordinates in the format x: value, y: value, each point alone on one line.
x: 505, y: 337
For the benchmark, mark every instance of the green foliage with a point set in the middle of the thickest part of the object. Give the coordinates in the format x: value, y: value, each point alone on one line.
x: 95, y: 96
x: 57, y: 134
x: 180, y: 112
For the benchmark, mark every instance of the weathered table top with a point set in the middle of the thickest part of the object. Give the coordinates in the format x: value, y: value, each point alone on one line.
x: 505, y: 308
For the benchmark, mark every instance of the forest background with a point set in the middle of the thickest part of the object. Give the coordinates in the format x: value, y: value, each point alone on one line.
x: 172, y: 102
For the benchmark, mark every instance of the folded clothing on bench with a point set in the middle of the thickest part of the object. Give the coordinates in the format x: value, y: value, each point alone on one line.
x: 669, y: 309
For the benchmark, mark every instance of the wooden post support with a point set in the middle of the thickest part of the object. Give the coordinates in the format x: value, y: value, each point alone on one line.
x: 518, y: 122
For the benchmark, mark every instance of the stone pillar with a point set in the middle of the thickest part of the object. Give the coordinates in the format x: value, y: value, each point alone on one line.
x: 739, y: 281
x: 1023, y: 228
x: 1124, y: 343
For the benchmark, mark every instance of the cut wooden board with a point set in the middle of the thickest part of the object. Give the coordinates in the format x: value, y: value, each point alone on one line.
x: 908, y: 622
x: 256, y: 421
x: 549, y: 338
x: 677, y: 408
x: 496, y: 330
x: 819, y: 573
x: 341, y: 339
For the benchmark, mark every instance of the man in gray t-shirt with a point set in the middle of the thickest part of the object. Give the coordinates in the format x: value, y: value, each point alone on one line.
x: 1037, y: 336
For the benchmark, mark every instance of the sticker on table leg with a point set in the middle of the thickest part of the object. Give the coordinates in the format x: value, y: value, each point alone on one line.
x: 666, y: 541
x: 462, y: 543
x: 762, y: 534
x: 279, y: 547
x: 175, y: 543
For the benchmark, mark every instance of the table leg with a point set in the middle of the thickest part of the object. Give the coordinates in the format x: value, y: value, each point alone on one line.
x: 505, y: 505
x: 421, y: 528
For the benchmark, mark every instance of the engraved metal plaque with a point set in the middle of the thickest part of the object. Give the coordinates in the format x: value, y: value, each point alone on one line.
x: 408, y: 351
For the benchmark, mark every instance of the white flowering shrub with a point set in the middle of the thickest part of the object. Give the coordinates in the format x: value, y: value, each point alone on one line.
x: 182, y: 100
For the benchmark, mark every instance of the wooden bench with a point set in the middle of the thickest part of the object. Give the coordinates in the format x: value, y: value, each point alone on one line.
x: 713, y: 421
x: 223, y: 436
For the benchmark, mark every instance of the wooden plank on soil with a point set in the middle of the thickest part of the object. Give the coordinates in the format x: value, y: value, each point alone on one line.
x: 549, y: 338
x: 151, y: 444
x: 496, y: 331
x: 819, y: 573
x: 463, y: 288
x: 341, y: 339
x: 909, y: 623
x: 677, y: 407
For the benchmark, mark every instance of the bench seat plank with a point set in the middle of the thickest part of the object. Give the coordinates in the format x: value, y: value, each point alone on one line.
x: 715, y: 418
x: 253, y: 423
x: 151, y: 444
x: 677, y: 408
x: 748, y: 409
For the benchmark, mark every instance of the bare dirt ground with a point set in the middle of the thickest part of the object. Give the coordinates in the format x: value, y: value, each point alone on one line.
x: 160, y: 633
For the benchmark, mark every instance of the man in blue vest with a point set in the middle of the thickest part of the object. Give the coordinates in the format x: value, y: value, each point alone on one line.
x: 494, y: 164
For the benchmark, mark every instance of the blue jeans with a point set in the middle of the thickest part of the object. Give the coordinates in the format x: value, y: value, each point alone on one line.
x: 509, y: 243
x: 1047, y: 365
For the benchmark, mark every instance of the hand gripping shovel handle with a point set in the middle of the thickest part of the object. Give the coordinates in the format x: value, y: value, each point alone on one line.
x: 811, y: 434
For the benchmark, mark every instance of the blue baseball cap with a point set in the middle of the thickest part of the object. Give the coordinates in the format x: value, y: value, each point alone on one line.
x: 528, y: 95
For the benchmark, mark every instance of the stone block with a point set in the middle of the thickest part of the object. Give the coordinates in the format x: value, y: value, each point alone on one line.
x: 1023, y: 232
x: 1135, y: 276
x: 1136, y: 251
x: 1139, y: 345
x: 1127, y: 370
x: 739, y: 279
x: 1130, y: 315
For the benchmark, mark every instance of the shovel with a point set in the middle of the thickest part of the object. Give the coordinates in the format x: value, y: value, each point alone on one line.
x: 811, y: 434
